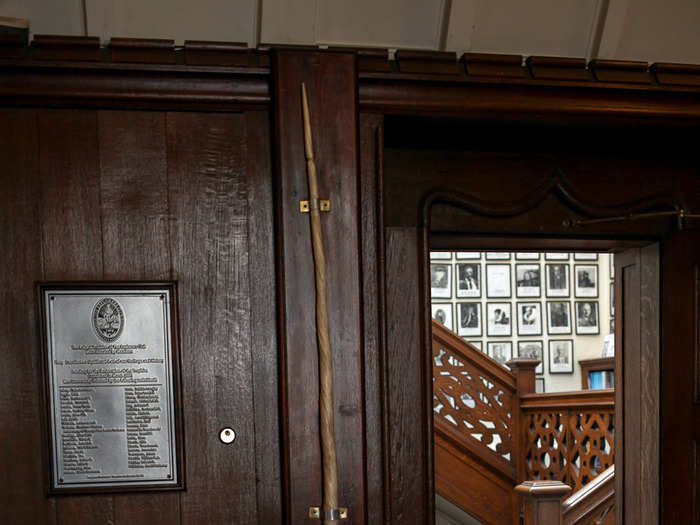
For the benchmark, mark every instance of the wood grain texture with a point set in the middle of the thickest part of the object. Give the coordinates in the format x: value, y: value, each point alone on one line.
x: 135, y: 235
x: 679, y: 413
x: 372, y: 303
x: 331, y: 85
x: 405, y: 355
x: 23, y: 478
x: 207, y: 194
x: 72, y: 236
x: 263, y: 318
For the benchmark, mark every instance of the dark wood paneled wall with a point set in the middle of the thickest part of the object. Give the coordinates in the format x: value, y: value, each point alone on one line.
x: 128, y: 195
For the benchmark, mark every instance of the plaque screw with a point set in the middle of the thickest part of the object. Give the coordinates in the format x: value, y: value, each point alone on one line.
x: 162, y: 297
x: 60, y: 479
x: 52, y: 298
x: 170, y: 476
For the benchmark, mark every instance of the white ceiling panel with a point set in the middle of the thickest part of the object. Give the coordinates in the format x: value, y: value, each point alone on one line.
x: 222, y: 20
x: 288, y: 22
x: 47, y: 17
x: 388, y: 23
x: 652, y: 31
x: 535, y: 27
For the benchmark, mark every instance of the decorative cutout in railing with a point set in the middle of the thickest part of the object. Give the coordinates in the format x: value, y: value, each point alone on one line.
x: 572, y: 445
x: 474, y: 403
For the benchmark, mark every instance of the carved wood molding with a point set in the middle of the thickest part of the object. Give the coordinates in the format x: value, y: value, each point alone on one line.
x: 556, y: 185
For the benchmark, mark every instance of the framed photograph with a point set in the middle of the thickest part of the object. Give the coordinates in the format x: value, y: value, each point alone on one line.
x: 532, y: 350
x: 561, y: 356
x: 612, y: 266
x: 468, y: 280
x: 441, y: 280
x: 476, y: 344
x: 587, y: 317
x: 527, y: 256
x: 469, y: 319
x: 612, y: 299
x: 558, y: 317
x: 529, y: 318
x: 528, y: 280
x: 499, y: 319
x: 557, y: 280
x: 497, y: 256
x: 539, y: 385
x: 585, y: 256
x: 501, y: 351
x: 441, y: 255
x: 468, y: 255
x: 586, y: 280
x: 498, y: 281
x: 442, y: 313
x: 556, y: 256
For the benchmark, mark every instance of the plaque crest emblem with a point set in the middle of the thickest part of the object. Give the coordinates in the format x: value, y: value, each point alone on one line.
x: 108, y: 319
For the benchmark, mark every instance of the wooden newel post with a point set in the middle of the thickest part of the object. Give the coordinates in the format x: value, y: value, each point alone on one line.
x: 542, y: 501
x: 524, y: 370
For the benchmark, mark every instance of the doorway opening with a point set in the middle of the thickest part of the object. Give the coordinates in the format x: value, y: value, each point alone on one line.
x: 524, y: 371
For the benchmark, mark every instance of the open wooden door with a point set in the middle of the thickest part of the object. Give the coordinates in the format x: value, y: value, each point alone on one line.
x: 637, y: 318
x: 680, y: 388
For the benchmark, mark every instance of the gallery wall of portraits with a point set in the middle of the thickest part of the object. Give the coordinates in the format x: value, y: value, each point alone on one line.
x: 556, y: 307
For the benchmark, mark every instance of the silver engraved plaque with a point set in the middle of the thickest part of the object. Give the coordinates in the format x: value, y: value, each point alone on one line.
x: 112, y: 387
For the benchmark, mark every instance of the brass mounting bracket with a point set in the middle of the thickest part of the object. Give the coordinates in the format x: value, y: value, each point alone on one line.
x: 306, y: 206
x: 329, y: 514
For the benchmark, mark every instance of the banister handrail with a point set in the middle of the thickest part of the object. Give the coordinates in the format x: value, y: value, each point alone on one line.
x: 476, y: 358
x: 592, y: 503
x: 588, y: 399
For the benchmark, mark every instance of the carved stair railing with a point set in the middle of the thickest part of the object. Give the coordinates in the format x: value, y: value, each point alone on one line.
x: 568, y: 436
x: 491, y: 431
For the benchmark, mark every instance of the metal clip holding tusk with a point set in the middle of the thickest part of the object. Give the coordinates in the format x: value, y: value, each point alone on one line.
x: 329, y: 514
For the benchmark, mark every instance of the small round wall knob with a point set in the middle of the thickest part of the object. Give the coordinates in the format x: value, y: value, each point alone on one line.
x: 227, y: 435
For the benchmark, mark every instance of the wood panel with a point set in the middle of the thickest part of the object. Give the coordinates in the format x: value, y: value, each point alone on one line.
x: 207, y: 194
x: 679, y: 357
x: 22, y: 483
x: 407, y: 433
x: 134, y: 207
x: 263, y: 318
x: 331, y: 83
x: 375, y: 366
x: 481, y: 491
x: 72, y: 236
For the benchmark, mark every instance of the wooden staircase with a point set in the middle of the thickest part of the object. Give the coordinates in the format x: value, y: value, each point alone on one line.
x: 492, y: 432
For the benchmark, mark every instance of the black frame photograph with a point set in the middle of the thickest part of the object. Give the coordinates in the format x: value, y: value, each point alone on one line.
x: 441, y: 285
x: 539, y: 385
x: 587, y: 320
x: 469, y: 319
x: 557, y: 282
x: 441, y: 256
x: 443, y: 314
x: 557, y: 349
x: 504, y: 354
x: 468, y: 280
x: 499, y: 320
x: 533, y: 350
x: 528, y: 280
x: 498, y: 281
x: 498, y: 256
x: 529, y: 316
x: 558, y: 318
x: 479, y: 345
x: 586, y: 280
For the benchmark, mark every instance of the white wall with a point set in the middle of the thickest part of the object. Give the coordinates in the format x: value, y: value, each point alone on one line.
x: 644, y: 30
x: 585, y: 346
